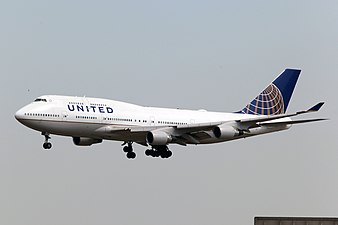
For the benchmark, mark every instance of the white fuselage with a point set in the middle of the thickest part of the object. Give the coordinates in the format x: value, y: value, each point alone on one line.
x: 98, y: 118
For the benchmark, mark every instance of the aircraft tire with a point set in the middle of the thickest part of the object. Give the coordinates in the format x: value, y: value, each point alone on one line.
x: 127, y: 149
x: 169, y: 153
x: 148, y: 152
x: 131, y: 155
x: 47, y: 145
x: 156, y: 154
x: 166, y: 154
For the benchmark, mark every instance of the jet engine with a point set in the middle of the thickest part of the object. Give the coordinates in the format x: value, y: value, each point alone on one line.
x: 226, y: 131
x: 85, y: 141
x: 158, y: 138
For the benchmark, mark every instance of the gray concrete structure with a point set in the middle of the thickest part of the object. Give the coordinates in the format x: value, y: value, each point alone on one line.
x: 295, y: 221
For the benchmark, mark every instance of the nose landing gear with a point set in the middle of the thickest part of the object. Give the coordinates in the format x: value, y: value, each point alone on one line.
x: 46, y: 145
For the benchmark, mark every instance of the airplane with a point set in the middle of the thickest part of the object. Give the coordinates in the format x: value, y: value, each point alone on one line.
x: 90, y: 120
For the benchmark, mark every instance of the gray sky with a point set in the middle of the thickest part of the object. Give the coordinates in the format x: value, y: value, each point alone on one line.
x: 215, y: 55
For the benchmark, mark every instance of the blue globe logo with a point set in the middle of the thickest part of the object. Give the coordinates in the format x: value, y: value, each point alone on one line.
x: 269, y: 102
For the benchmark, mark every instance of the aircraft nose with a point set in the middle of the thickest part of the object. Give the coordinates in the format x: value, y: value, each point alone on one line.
x: 19, y: 114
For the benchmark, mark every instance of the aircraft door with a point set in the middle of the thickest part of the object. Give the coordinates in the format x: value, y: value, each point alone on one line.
x: 152, y: 121
x: 64, y: 115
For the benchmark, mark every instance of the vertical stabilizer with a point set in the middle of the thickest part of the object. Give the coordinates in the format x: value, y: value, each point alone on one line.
x: 276, y: 97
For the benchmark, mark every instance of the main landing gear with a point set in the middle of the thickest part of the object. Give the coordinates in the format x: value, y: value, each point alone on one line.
x: 129, y: 150
x: 159, y: 151
x: 46, y: 145
x: 155, y: 151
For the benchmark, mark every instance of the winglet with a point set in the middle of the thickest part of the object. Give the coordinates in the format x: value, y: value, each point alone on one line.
x: 316, y: 107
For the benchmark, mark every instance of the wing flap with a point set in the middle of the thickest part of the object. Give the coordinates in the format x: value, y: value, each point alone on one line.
x: 291, y: 122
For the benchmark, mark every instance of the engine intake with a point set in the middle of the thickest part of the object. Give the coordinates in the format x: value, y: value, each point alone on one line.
x: 158, y: 138
x: 226, y: 131
x: 85, y: 141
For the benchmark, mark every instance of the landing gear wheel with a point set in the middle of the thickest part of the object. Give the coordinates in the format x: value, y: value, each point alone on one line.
x: 159, y: 151
x: 47, y: 145
x: 127, y: 149
x: 149, y: 152
x: 166, y: 154
x: 131, y: 155
x: 155, y: 154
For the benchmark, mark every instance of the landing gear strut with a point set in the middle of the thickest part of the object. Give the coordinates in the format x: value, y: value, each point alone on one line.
x: 46, y: 145
x: 157, y: 151
x: 129, y: 150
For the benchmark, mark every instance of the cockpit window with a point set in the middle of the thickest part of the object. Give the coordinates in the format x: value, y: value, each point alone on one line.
x: 40, y: 100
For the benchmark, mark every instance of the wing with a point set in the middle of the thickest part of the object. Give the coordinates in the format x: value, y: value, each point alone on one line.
x: 196, y: 133
x: 181, y: 134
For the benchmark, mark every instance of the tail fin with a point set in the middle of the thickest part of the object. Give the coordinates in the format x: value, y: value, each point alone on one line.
x: 276, y: 97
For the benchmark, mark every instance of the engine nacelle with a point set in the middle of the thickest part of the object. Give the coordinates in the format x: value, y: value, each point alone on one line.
x: 226, y: 131
x: 85, y: 141
x: 158, y: 138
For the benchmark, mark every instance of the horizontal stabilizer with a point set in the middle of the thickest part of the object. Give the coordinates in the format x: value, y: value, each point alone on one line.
x: 316, y: 107
x: 274, y: 117
x: 246, y: 124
